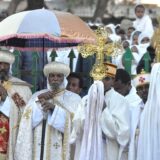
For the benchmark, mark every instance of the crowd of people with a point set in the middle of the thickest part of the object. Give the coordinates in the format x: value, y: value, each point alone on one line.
x: 135, y: 35
x: 118, y: 119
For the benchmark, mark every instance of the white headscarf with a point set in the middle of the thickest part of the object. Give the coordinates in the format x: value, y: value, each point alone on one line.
x: 112, y: 27
x: 143, y: 47
x: 143, y: 35
x: 149, y: 138
x: 132, y: 35
x: 135, y: 61
x: 113, y: 36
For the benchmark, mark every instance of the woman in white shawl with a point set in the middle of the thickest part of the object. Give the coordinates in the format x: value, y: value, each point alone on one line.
x: 110, y: 28
x: 144, y: 42
x: 136, y: 59
x: 149, y: 138
x: 134, y: 37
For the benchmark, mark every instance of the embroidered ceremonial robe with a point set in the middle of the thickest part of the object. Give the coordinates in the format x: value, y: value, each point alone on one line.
x: 13, y: 113
x: 58, y: 124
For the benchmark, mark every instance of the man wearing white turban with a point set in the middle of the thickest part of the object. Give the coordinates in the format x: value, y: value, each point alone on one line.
x: 141, y: 82
x: 44, y: 130
x: 14, y: 94
x: 149, y: 143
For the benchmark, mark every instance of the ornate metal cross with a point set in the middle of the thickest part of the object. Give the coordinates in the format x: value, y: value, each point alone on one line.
x: 102, y: 47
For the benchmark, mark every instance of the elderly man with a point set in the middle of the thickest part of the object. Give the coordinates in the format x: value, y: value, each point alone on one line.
x: 45, y: 126
x: 14, y: 94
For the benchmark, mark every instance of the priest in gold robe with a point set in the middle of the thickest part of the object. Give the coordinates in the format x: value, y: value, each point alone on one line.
x: 46, y: 123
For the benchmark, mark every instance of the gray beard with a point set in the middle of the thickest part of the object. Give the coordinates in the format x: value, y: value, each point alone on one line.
x: 55, y: 86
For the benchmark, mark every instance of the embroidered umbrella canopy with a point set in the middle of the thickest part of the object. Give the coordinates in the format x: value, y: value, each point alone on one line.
x: 42, y: 28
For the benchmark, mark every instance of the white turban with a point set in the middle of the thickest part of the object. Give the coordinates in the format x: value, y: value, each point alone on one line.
x: 56, y: 67
x: 7, y: 57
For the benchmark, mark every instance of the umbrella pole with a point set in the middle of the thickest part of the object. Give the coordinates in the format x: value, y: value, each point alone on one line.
x: 43, y: 137
x: 44, y: 61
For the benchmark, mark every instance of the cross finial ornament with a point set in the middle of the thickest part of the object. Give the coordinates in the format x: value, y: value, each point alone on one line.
x: 141, y: 79
x: 3, y: 130
x: 102, y: 47
x: 27, y: 113
x: 56, y: 145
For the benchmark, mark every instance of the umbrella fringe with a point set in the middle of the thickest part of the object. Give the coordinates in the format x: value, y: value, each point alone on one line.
x: 49, y: 37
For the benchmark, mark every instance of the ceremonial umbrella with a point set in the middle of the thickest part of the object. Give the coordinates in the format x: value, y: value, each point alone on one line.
x: 43, y: 29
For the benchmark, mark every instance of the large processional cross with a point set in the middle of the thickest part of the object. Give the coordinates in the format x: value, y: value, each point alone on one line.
x: 103, y: 47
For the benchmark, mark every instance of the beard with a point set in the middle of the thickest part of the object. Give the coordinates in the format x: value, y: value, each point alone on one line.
x: 55, y: 86
x: 3, y: 75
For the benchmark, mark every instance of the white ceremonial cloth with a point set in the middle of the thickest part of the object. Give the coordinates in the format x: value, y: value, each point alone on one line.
x: 92, y: 145
x: 115, y: 126
x: 135, y: 122
x: 133, y: 99
x: 78, y: 126
x: 135, y: 61
x: 5, y: 107
x: 149, y: 139
x: 135, y: 103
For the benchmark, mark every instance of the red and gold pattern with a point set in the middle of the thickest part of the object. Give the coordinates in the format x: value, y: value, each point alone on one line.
x: 4, y: 133
x: 18, y: 100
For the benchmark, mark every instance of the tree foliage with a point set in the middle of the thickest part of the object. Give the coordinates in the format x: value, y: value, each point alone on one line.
x: 13, y: 6
x: 31, y: 4
x: 35, y: 4
x: 100, y: 8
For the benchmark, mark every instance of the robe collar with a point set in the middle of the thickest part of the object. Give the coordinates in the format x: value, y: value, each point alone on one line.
x: 5, y: 107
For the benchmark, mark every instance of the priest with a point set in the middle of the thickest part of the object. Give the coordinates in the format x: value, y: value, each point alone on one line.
x: 141, y: 82
x: 14, y: 94
x: 44, y: 131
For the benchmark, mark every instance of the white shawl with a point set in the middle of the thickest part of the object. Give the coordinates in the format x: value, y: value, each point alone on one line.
x: 149, y: 139
x: 91, y: 148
